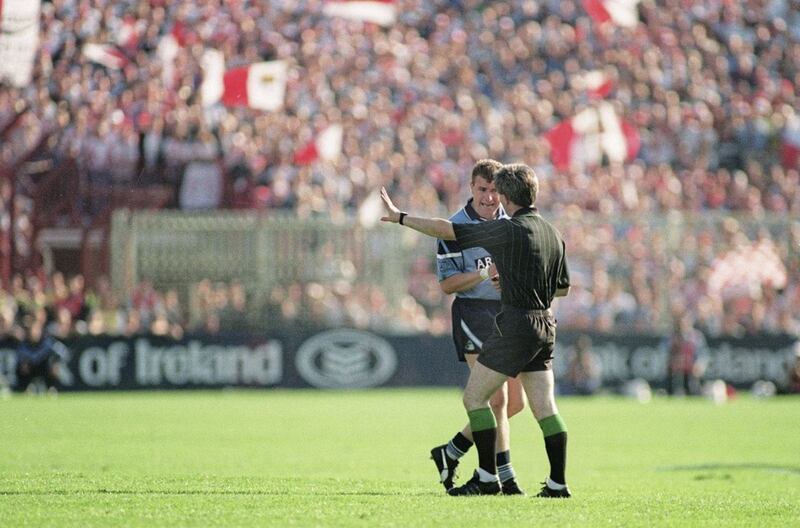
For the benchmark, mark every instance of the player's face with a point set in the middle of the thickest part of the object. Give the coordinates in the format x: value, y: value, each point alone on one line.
x: 484, y: 197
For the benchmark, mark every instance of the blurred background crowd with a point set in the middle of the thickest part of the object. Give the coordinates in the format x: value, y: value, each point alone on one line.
x: 708, y: 93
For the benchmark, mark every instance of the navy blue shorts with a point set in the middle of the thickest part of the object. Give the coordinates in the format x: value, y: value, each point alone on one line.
x: 473, y: 323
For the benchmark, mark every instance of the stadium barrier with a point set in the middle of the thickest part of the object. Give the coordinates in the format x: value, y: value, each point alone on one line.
x: 348, y: 359
x: 176, y: 249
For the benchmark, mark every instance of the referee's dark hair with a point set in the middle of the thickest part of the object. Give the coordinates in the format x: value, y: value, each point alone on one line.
x: 518, y: 183
x: 485, y: 168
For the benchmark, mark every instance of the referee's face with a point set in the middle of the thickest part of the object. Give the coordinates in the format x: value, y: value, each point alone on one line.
x: 484, y: 197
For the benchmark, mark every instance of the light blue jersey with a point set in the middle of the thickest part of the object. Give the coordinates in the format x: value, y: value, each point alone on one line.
x: 451, y: 259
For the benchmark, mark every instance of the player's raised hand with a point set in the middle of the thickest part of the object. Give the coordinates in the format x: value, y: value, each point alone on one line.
x: 392, y: 212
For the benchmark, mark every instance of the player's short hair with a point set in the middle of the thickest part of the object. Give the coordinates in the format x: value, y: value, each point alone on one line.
x: 518, y: 183
x: 485, y: 168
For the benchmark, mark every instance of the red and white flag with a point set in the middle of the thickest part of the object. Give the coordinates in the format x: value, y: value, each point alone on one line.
x: 261, y: 85
x: 167, y: 50
x: 105, y: 55
x: 19, y: 39
x: 745, y: 269
x: 326, y: 146
x: 381, y: 12
x: 622, y: 13
x: 583, y: 140
x: 619, y: 140
x: 790, y: 143
x: 596, y: 83
x: 128, y: 33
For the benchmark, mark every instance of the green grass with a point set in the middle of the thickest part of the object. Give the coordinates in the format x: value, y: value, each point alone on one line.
x: 306, y: 458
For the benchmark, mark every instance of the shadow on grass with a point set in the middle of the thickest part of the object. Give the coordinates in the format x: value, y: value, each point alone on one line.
x: 212, y: 492
x: 772, y: 468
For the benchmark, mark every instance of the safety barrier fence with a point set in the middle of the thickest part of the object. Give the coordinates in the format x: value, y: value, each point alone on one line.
x: 175, y: 249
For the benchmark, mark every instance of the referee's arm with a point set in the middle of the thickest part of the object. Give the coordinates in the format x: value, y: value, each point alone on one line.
x: 435, y: 227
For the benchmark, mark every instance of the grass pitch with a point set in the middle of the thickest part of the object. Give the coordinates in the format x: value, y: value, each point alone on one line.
x: 313, y: 458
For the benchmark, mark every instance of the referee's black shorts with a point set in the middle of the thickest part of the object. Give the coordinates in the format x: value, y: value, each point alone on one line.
x: 473, y: 324
x: 522, y: 341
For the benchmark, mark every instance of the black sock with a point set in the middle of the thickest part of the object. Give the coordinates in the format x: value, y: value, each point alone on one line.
x: 461, y: 442
x: 504, y: 469
x: 556, y: 446
x: 484, y: 442
x: 555, y: 443
x: 484, y: 434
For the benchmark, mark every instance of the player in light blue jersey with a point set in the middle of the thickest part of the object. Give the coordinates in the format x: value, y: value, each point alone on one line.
x: 471, y: 276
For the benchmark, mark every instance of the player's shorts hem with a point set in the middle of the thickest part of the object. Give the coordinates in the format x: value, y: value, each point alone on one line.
x: 522, y: 342
x: 461, y: 355
x: 500, y: 364
x: 473, y: 321
x: 502, y: 369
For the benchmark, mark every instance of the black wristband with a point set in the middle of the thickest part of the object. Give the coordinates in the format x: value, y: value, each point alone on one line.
x: 402, y: 215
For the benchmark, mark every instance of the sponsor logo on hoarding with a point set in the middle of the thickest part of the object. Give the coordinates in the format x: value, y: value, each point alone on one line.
x: 346, y: 359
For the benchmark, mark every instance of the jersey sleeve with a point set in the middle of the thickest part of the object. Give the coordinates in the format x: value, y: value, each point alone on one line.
x: 449, y: 259
x: 488, y: 235
x: 562, y: 282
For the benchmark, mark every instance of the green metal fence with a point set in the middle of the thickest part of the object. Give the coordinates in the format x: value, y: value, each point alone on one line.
x: 176, y: 249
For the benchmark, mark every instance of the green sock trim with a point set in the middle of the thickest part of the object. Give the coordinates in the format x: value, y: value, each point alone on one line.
x: 552, y: 425
x: 481, y: 419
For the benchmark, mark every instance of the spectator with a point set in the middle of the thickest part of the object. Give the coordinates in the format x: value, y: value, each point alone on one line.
x: 686, y: 360
x: 62, y: 326
x: 235, y: 316
x: 38, y: 355
x: 583, y: 376
x: 794, y: 373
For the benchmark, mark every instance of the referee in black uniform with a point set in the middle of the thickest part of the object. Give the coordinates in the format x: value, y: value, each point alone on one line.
x: 530, y: 257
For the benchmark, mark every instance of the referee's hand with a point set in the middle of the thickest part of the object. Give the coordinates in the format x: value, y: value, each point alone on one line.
x: 392, y: 212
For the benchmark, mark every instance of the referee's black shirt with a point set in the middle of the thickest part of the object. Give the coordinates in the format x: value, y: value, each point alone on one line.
x: 529, y: 253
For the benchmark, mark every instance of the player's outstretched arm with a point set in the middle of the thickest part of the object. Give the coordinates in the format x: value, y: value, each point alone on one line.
x: 435, y: 227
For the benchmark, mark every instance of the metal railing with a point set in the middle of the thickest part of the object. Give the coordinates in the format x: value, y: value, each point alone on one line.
x: 176, y: 249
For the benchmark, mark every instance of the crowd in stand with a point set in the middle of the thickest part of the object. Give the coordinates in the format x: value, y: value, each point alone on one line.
x: 71, y: 309
x: 713, y: 89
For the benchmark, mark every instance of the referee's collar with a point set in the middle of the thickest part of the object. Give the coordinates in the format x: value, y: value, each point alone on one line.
x: 473, y: 214
x: 532, y: 210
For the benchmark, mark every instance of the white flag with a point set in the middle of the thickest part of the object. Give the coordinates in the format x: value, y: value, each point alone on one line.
x: 19, y: 40
x: 381, y: 12
x: 106, y: 55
